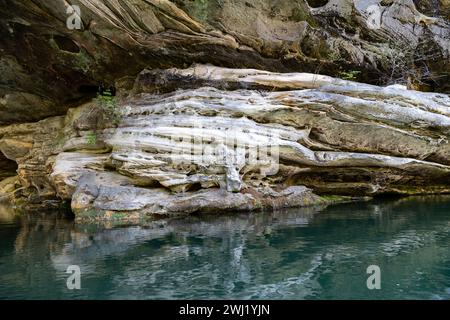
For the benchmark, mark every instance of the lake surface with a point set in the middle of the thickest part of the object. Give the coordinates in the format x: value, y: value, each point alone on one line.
x: 313, y: 253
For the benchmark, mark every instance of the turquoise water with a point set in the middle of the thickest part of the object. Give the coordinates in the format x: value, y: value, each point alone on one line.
x: 315, y: 253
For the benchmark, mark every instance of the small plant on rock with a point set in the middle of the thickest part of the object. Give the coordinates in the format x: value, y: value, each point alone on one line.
x: 108, y: 107
x: 351, y: 75
x: 91, y: 138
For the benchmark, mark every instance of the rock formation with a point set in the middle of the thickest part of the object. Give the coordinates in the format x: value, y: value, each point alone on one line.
x: 48, y: 67
x: 212, y: 139
x: 221, y: 105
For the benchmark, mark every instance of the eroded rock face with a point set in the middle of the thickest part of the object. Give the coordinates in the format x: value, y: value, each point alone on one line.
x: 434, y: 7
x: 47, y: 68
x: 210, y: 139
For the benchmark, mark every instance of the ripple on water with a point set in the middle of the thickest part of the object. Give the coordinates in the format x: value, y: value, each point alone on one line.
x: 259, y: 256
x: 407, y: 242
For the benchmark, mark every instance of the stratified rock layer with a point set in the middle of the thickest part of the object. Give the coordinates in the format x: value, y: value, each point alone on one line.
x: 48, y: 67
x: 210, y: 139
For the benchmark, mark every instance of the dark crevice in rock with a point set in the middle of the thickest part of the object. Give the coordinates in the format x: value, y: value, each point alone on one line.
x: 8, y: 168
x: 317, y: 3
x: 66, y: 44
x: 88, y: 89
x: 386, y: 3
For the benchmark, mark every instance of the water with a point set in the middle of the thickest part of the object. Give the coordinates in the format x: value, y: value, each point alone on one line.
x: 315, y: 253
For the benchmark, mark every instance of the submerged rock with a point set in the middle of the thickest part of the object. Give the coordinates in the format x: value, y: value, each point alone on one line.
x: 208, y: 140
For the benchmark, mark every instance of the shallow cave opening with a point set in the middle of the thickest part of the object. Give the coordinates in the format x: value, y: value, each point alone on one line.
x: 317, y: 3
x: 66, y: 44
x: 8, y: 168
x: 88, y: 88
x: 84, y: 93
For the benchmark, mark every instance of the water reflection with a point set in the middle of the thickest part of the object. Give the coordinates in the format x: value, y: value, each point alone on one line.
x: 313, y: 253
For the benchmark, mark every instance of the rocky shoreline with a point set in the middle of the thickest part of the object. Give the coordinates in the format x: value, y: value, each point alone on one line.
x: 138, y: 156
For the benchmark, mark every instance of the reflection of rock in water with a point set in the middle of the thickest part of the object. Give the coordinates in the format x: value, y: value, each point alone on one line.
x: 168, y: 250
x: 266, y: 255
x: 52, y: 231
x: 90, y: 243
x: 7, y: 214
x: 236, y: 250
x: 38, y: 235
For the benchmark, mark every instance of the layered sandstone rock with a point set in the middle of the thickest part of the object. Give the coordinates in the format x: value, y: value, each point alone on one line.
x: 210, y: 139
x: 47, y: 67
